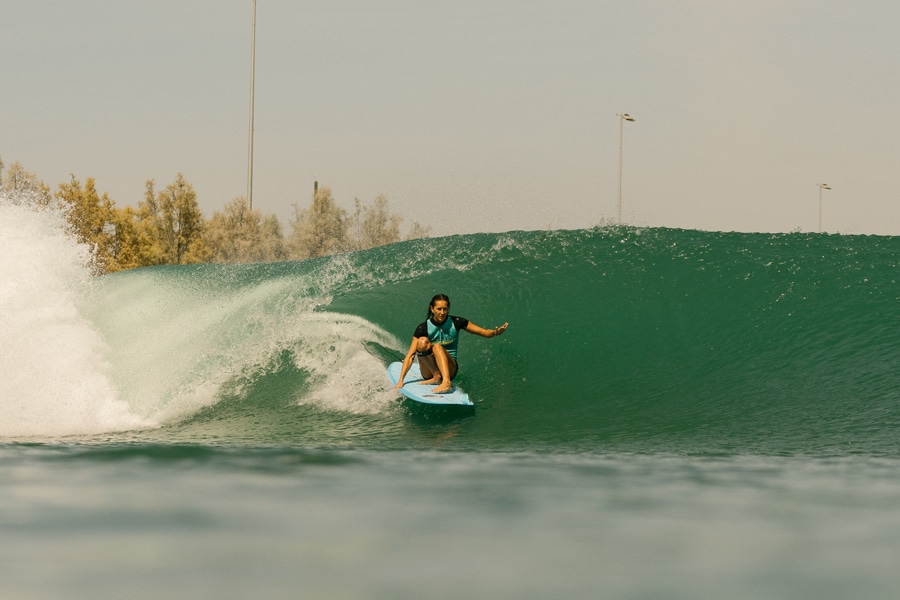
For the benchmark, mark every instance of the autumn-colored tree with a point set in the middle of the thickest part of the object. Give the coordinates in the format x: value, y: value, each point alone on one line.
x: 239, y: 234
x: 319, y: 230
x: 125, y: 251
x: 168, y: 227
x: 181, y: 224
x: 149, y: 229
x: 91, y: 218
x: 25, y: 184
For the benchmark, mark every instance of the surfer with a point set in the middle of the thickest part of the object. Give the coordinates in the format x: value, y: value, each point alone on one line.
x: 434, y: 343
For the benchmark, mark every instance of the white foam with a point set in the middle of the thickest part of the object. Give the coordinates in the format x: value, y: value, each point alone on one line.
x: 179, y: 335
x: 85, y: 355
x: 349, y: 378
x: 54, y: 370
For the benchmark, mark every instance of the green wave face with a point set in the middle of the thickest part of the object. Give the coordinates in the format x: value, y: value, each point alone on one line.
x: 619, y: 339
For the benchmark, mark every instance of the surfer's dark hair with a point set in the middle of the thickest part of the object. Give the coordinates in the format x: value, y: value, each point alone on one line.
x: 434, y: 301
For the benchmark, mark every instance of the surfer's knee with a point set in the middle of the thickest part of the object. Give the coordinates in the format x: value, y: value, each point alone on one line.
x: 423, y: 346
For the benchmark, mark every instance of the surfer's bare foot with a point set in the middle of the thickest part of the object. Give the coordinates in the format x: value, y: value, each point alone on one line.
x: 443, y: 388
x: 430, y: 381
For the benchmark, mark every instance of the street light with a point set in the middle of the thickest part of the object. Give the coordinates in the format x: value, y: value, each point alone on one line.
x: 622, y: 118
x: 822, y: 186
x: 252, y: 86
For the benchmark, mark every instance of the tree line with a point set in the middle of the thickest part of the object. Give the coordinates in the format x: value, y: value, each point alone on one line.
x: 168, y: 228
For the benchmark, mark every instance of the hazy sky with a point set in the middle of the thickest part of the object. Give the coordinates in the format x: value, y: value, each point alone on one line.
x: 472, y: 115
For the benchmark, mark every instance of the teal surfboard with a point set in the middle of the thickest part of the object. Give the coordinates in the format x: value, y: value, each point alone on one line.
x: 414, y: 390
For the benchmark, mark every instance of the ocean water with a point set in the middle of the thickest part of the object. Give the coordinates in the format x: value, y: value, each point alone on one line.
x: 671, y: 414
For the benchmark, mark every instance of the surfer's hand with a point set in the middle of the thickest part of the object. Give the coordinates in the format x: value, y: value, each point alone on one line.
x: 501, y: 329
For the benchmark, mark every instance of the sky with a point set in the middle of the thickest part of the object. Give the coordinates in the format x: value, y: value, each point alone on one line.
x: 473, y: 115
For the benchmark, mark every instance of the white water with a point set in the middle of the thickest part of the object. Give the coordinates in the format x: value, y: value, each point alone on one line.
x: 54, y: 365
x: 87, y: 355
x: 180, y: 335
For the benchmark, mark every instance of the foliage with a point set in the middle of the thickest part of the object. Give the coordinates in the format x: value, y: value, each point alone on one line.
x: 324, y: 228
x: 239, y: 234
x: 168, y: 227
x: 319, y: 230
x: 149, y: 229
x: 25, y: 184
x: 180, y: 224
x: 126, y: 251
x: 377, y: 225
x: 92, y: 219
x: 374, y: 226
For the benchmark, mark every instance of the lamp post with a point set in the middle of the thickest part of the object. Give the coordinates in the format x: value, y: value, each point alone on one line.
x: 822, y: 186
x: 252, y: 86
x: 622, y: 118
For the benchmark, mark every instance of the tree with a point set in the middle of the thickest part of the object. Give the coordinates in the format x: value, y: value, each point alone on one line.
x: 354, y: 225
x: 239, y: 234
x: 319, y: 230
x: 181, y: 224
x: 324, y: 228
x: 168, y: 227
x: 378, y: 226
x: 125, y: 252
x: 91, y: 218
x: 149, y: 229
x: 272, y: 243
x: 25, y: 184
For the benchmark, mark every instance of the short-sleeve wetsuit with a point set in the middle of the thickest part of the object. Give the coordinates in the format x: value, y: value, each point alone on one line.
x: 447, y: 335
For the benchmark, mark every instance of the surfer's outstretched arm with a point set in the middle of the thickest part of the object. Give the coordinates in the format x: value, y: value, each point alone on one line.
x: 488, y: 333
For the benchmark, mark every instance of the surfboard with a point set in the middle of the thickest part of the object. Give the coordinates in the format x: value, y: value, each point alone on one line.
x: 422, y: 393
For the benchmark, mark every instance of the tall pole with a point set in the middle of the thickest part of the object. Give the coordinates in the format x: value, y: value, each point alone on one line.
x: 822, y: 186
x: 252, y: 89
x: 622, y: 118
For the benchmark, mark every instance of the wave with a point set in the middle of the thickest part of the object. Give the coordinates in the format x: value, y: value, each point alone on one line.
x: 620, y: 339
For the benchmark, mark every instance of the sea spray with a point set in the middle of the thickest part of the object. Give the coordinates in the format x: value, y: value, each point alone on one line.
x: 187, y: 337
x: 54, y: 368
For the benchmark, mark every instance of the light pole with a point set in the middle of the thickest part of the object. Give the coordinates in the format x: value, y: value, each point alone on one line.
x: 822, y: 186
x: 252, y: 86
x: 622, y: 118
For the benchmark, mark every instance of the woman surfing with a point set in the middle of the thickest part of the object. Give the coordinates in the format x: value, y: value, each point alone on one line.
x: 435, y: 341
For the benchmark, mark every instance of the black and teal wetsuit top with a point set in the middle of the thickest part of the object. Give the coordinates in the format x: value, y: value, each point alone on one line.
x: 447, y: 335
